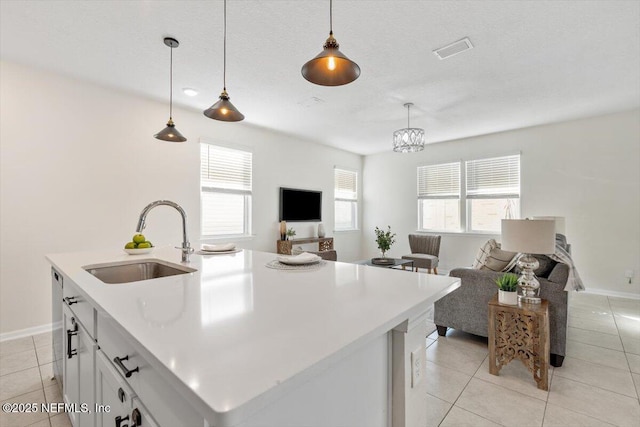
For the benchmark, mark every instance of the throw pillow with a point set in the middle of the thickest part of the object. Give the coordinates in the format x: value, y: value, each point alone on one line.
x: 499, y: 260
x: 483, y: 253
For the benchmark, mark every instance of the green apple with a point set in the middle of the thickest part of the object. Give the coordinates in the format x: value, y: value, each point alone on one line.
x: 139, y: 238
x: 144, y: 245
x: 131, y: 245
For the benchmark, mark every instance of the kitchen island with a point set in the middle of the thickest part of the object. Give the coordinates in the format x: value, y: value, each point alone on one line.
x: 235, y: 343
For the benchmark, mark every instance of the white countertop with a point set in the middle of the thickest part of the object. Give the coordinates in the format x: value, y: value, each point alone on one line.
x: 236, y: 334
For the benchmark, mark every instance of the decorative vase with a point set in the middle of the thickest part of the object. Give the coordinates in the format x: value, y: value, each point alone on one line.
x: 508, y: 298
x: 283, y: 230
x: 321, y: 230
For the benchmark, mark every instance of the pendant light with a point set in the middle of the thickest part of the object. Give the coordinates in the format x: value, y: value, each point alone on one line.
x: 408, y: 140
x: 331, y: 67
x: 224, y: 110
x: 170, y: 133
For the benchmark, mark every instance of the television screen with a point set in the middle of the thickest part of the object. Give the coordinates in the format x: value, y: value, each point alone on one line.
x: 300, y: 205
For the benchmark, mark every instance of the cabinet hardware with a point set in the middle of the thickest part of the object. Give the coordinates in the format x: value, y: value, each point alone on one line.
x: 127, y: 373
x: 120, y: 420
x: 70, y: 333
x: 71, y: 300
x: 136, y: 418
x: 122, y: 396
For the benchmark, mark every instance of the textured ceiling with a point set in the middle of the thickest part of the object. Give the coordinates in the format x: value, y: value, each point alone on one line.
x: 534, y: 62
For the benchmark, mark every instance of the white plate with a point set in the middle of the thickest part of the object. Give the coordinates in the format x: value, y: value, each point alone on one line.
x: 203, y: 252
x: 219, y: 248
x: 294, y: 261
x: 138, y: 251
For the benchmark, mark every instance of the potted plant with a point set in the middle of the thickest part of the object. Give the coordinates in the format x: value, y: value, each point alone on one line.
x: 384, y: 239
x: 290, y: 233
x: 507, y: 289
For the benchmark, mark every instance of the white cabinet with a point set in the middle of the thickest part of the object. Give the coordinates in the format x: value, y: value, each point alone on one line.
x: 125, y: 410
x: 78, y: 370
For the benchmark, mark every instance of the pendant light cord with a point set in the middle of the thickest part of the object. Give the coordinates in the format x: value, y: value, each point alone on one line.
x: 331, y: 17
x: 224, y: 61
x: 408, y: 116
x: 171, y: 86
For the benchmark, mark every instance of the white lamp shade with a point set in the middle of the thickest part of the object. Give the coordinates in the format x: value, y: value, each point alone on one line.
x: 560, y: 227
x: 529, y: 236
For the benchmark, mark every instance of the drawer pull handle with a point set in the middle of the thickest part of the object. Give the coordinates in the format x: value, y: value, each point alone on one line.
x: 136, y: 418
x: 71, y: 300
x: 70, y: 333
x: 120, y: 420
x: 127, y: 372
x: 122, y: 396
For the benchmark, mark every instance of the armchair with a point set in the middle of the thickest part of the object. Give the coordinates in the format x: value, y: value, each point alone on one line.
x: 425, y: 250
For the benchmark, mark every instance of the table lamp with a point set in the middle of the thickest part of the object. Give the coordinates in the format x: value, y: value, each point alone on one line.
x: 528, y: 236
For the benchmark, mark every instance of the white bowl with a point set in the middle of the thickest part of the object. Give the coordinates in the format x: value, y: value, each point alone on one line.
x: 138, y: 251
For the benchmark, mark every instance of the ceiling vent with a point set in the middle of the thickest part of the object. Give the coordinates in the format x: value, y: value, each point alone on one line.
x: 454, y: 48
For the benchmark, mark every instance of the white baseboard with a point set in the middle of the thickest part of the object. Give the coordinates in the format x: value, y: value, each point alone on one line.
x: 609, y: 293
x: 25, y: 332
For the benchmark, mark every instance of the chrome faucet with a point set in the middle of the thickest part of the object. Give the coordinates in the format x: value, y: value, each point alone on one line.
x: 186, y: 246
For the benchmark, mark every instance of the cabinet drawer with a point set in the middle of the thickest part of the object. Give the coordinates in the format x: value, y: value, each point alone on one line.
x: 78, y: 303
x: 166, y: 405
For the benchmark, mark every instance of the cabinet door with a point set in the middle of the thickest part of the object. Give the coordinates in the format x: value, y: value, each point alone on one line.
x: 78, y: 371
x: 70, y: 364
x: 140, y: 417
x: 113, y: 393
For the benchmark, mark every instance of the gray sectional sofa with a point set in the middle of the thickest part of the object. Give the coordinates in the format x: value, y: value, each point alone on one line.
x: 466, y: 308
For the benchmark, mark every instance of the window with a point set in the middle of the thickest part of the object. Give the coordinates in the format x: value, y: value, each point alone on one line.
x: 439, y: 197
x: 225, y: 197
x: 491, y: 193
x: 345, y: 199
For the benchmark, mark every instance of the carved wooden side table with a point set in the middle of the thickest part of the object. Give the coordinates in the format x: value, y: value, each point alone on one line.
x: 520, y: 332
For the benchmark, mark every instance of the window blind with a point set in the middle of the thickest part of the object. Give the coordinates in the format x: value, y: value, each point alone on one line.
x: 496, y: 177
x: 346, y: 184
x: 225, y: 168
x: 439, y: 181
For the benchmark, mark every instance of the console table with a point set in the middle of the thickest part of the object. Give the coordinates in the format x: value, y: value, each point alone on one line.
x: 520, y: 332
x: 324, y: 244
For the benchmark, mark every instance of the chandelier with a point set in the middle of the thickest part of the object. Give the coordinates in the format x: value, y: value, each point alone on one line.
x: 408, y: 140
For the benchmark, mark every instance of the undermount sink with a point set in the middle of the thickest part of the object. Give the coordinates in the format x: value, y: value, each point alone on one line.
x: 135, y: 271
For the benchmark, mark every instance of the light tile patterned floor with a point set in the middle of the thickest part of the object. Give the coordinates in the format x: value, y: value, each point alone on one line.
x: 598, y: 384
x: 26, y: 376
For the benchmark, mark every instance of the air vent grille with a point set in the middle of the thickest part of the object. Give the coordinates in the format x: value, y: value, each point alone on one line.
x: 454, y: 48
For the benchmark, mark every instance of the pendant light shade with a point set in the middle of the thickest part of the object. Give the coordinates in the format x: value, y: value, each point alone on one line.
x: 331, y: 67
x: 170, y: 133
x: 223, y: 109
x: 408, y: 140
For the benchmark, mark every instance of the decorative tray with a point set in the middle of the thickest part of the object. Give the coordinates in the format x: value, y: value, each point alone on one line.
x: 382, y: 261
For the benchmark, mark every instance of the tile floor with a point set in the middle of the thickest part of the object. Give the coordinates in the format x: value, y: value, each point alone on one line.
x: 598, y: 384
x: 26, y: 376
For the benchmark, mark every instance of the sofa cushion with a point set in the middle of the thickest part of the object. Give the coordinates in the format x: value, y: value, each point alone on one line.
x: 499, y: 260
x: 491, y: 257
x: 483, y: 253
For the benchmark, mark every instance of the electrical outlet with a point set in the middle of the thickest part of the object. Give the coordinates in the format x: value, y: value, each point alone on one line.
x: 416, y: 366
x: 629, y: 275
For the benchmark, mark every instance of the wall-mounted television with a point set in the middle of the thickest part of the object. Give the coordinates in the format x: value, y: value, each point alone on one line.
x: 300, y: 205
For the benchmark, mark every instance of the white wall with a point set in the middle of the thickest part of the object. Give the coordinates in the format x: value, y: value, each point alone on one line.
x: 79, y: 162
x: 585, y: 170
